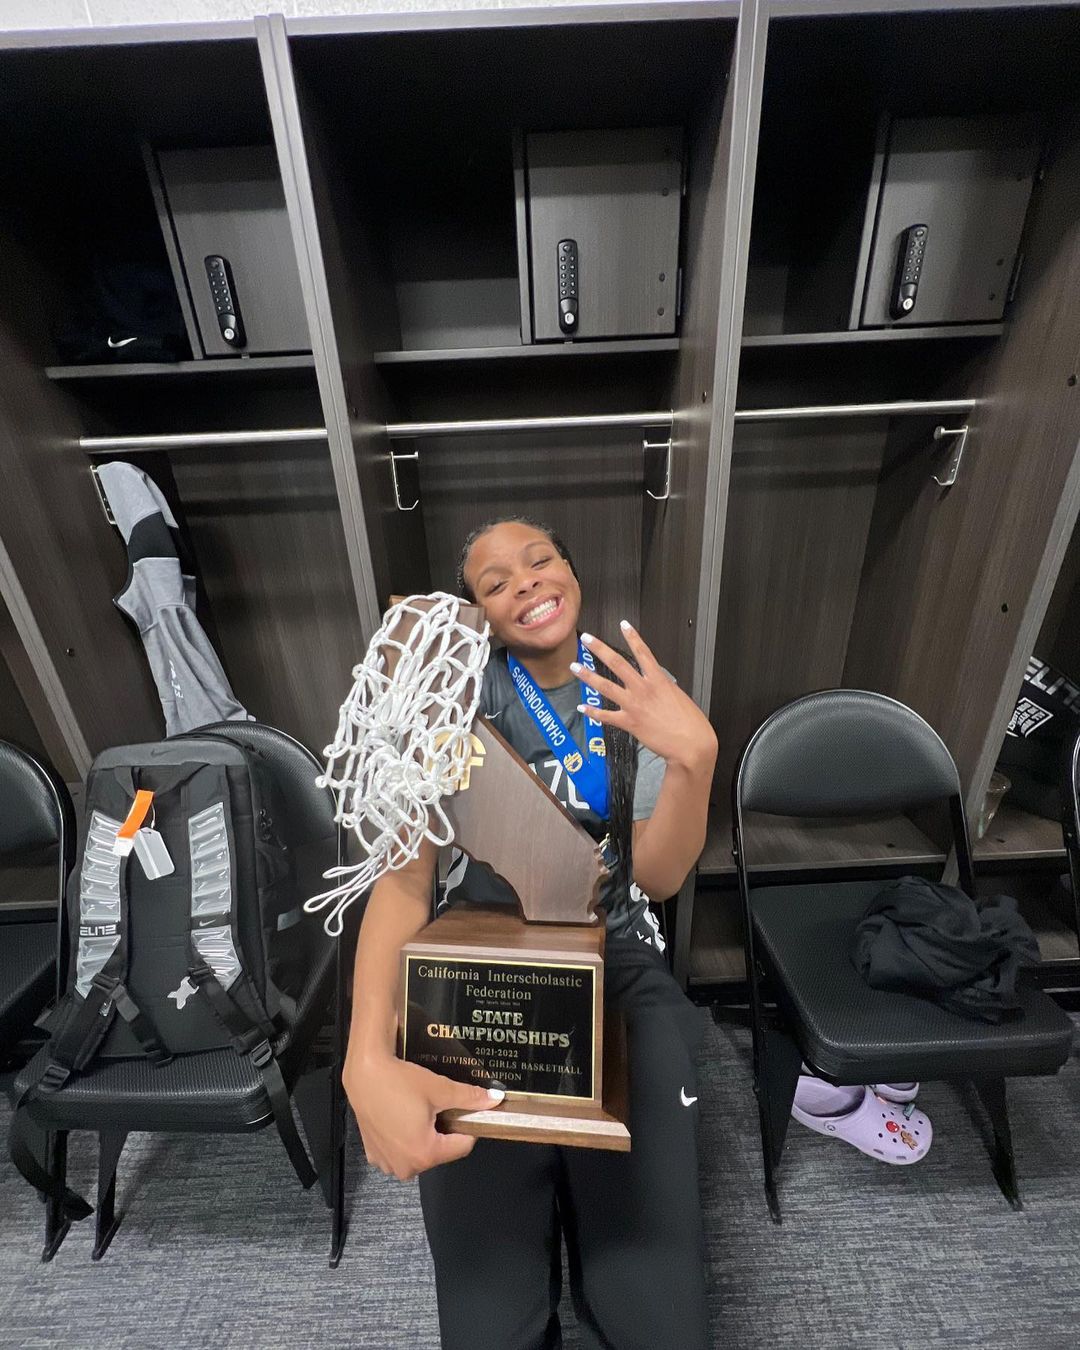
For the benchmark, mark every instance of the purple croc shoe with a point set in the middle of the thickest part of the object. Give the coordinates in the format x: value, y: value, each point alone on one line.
x: 876, y: 1127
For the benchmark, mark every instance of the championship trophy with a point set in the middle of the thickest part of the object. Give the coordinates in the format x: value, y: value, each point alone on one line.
x: 498, y: 996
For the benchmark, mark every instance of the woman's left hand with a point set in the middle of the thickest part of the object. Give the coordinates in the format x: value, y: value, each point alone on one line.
x: 649, y: 705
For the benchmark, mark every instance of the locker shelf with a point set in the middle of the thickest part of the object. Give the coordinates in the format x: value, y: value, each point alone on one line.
x: 784, y: 844
x: 868, y: 335
x: 533, y: 351
x: 1018, y: 836
x: 246, y: 367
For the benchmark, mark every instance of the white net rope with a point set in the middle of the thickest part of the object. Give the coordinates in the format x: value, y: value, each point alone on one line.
x: 403, y: 741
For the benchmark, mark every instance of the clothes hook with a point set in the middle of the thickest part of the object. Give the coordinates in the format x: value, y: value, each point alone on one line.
x: 648, y: 445
x: 102, y: 498
x: 413, y: 455
x: 961, y: 434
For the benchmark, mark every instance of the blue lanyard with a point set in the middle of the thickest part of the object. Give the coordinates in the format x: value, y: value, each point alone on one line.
x: 589, y: 770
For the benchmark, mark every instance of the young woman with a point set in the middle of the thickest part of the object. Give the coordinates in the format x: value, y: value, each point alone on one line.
x: 496, y: 1212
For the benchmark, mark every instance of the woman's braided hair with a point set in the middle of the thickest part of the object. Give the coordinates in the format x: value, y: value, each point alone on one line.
x: 620, y: 746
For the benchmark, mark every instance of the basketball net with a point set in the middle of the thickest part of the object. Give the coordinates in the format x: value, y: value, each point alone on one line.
x: 403, y: 742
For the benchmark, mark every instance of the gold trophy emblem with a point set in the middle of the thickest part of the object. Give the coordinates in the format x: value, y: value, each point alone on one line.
x: 475, y: 761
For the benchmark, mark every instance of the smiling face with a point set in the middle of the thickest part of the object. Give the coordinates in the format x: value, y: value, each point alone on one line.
x: 530, y: 595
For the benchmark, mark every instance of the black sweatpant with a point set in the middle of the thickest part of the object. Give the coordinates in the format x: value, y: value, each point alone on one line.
x: 631, y: 1221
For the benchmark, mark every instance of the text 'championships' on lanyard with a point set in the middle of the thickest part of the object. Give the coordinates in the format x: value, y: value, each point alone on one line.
x: 588, y: 770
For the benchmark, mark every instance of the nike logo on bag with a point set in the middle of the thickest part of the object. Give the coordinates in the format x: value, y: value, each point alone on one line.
x: 686, y: 1101
x: 122, y: 343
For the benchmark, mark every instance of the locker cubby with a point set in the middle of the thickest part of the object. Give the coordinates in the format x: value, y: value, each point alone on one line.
x: 807, y: 502
x: 588, y: 484
x: 828, y: 81
x: 414, y: 179
x: 843, y: 562
x: 85, y: 200
x: 425, y: 127
x: 1027, y: 827
x: 261, y: 521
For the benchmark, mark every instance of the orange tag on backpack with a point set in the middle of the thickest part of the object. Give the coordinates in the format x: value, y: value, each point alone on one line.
x: 140, y: 809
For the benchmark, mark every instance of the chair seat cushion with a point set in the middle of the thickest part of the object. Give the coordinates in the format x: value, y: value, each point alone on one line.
x: 855, y: 1034
x: 27, y: 966
x: 218, y: 1090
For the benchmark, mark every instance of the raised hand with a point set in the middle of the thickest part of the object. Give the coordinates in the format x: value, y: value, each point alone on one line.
x: 649, y: 704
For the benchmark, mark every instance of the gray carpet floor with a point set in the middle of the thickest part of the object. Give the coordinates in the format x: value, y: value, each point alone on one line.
x: 220, y: 1247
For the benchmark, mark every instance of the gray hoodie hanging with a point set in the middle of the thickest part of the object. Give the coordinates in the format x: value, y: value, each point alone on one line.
x: 159, y: 598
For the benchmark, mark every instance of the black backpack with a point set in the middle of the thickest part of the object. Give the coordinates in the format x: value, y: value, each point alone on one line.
x: 1035, y: 750
x: 203, y: 958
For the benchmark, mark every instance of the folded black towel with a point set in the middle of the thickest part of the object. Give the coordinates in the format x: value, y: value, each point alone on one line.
x: 917, y: 937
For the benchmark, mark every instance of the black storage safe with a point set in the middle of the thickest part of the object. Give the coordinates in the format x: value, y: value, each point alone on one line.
x: 943, y: 221
x: 228, y: 204
x: 601, y: 211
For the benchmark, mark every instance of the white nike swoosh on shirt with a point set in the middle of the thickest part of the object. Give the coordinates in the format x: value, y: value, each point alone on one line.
x: 686, y: 1101
x: 123, y: 342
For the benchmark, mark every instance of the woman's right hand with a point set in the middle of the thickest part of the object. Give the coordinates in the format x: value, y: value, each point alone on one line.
x: 396, y: 1104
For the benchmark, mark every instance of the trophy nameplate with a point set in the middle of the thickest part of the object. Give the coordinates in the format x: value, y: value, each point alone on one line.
x: 514, y: 998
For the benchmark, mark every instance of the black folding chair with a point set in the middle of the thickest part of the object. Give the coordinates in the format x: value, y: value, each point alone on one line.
x: 221, y: 1091
x: 849, y: 753
x: 36, y: 814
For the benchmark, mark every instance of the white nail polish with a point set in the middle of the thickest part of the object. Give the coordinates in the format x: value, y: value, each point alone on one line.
x: 587, y: 638
x: 496, y: 1094
x: 582, y: 708
x: 576, y: 668
x: 624, y: 624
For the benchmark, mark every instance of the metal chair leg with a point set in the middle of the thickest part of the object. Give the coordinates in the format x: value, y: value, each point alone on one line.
x: 337, y: 1170
x: 110, y: 1147
x: 56, y: 1222
x: 779, y: 1062
x: 992, y: 1095
x: 338, y: 1113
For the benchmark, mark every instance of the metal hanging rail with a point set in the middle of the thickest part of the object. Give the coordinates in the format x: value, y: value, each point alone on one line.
x: 400, y: 430
x: 189, y: 440
x: 828, y: 410
x: 97, y: 445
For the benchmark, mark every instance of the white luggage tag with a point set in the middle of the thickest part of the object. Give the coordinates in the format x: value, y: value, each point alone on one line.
x: 151, y: 852
x: 144, y: 839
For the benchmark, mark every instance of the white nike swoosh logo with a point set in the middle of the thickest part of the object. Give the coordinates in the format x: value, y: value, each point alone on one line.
x: 686, y: 1101
x: 123, y: 342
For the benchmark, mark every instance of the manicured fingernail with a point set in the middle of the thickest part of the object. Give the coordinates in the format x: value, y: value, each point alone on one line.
x: 496, y: 1094
x: 576, y: 667
x: 582, y: 708
x: 587, y: 638
x: 625, y: 623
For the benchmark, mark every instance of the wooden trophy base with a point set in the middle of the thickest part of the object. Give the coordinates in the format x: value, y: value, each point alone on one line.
x: 490, y: 999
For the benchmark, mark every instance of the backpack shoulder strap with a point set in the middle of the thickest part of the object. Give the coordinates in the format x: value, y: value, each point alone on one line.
x: 97, y: 995
x: 217, y: 968
x: 248, y: 1039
